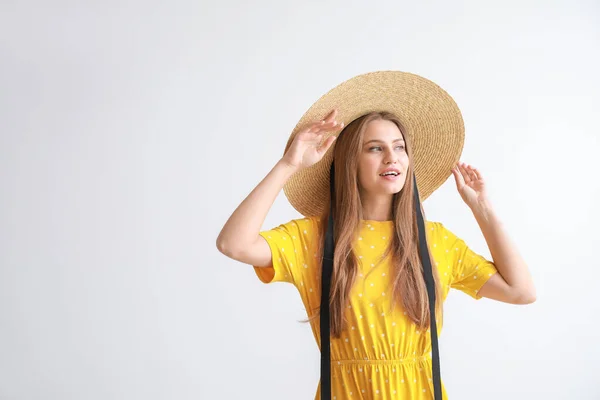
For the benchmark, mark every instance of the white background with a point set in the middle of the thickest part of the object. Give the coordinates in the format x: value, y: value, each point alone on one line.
x: 130, y: 131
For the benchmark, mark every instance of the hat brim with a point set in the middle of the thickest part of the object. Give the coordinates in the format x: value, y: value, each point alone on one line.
x: 431, y: 117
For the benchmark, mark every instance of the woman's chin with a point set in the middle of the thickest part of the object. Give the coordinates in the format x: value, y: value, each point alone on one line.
x: 390, y: 189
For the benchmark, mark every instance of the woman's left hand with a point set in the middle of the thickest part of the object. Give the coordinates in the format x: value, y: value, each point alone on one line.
x: 470, y: 184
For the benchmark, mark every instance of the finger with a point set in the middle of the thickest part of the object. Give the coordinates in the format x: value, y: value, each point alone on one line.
x: 328, y: 123
x: 458, y: 176
x: 331, y: 116
x: 313, y: 125
x: 477, y: 173
x: 326, y: 145
x: 318, y: 125
x: 471, y: 171
x: 329, y: 126
x: 324, y: 122
x: 463, y: 171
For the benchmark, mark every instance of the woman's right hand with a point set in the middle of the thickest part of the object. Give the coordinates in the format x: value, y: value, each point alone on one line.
x: 305, y: 150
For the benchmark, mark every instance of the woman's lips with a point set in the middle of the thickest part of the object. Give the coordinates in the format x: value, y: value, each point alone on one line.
x: 390, y: 177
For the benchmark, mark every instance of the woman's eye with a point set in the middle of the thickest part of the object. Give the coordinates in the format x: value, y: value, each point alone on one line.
x: 379, y: 148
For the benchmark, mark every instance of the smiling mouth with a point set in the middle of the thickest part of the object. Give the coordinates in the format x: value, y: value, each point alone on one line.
x: 391, y: 178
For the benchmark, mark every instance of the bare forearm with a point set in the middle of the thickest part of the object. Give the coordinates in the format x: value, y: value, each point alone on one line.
x: 507, y: 259
x: 243, y: 226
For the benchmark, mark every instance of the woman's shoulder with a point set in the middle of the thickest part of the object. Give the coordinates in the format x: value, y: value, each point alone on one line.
x: 434, y: 226
x: 307, y: 225
x: 436, y: 230
x: 439, y: 232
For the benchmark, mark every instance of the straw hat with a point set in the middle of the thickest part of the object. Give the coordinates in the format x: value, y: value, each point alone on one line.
x: 432, y: 119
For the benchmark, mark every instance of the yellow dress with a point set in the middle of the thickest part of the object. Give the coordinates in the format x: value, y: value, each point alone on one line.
x: 379, y: 355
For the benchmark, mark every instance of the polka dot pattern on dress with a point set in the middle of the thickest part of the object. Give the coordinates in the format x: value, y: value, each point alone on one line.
x: 382, y: 353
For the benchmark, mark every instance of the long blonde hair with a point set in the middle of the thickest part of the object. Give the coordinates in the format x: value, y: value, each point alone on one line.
x: 408, y: 288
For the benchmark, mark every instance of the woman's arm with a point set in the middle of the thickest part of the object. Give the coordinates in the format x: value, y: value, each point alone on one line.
x: 513, y: 284
x: 243, y: 226
x: 240, y: 237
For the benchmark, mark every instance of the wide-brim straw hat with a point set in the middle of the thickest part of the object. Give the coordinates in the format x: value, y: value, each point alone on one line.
x: 431, y: 118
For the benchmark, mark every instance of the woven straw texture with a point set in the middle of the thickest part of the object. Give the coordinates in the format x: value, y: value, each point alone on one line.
x: 432, y: 119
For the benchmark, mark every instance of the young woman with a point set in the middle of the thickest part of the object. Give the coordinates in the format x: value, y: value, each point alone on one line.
x: 389, y: 270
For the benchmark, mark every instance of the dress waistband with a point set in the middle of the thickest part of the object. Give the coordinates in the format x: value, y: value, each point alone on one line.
x: 395, y: 361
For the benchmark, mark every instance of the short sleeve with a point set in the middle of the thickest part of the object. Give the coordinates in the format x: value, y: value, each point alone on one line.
x: 290, y: 245
x: 470, y: 271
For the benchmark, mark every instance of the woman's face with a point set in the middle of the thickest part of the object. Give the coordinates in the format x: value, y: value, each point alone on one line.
x: 383, y: 147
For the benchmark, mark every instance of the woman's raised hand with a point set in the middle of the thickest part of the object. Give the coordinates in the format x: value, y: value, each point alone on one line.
x: 306, y: 148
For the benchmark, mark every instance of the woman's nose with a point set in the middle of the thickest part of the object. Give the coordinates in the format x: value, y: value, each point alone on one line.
x: 390, y: 157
